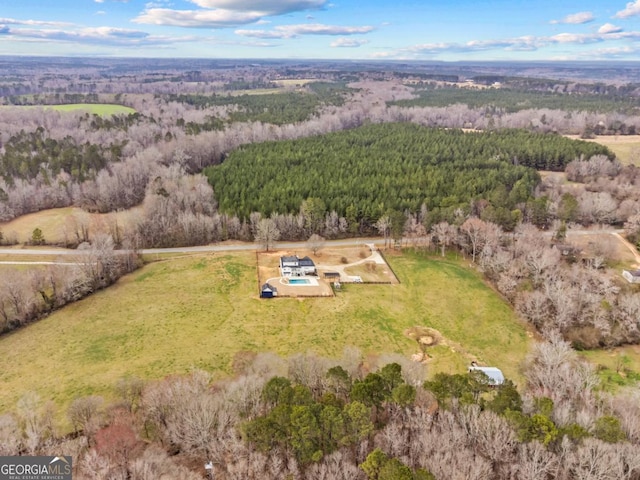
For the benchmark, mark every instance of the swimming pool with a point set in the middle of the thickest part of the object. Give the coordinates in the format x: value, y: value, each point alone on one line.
x: 299, y: 281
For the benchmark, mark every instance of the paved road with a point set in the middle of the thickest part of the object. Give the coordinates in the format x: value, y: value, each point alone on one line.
x: 251, y: 246
x: 198, y: 249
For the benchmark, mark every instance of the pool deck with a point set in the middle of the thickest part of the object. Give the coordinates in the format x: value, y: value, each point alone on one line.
x: 299, y: 281
x: 315, y: 287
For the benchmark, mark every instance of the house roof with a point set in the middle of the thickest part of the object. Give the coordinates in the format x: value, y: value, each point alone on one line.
x: 331, y: 274
x: 306, y: 262
x: 634, y: 273
x: 289, y: 259
x: 268, y: 288
x: 495, y: 374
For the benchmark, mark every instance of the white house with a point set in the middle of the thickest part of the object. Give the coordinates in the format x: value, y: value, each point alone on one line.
x: 632, y: 276
x: 293, y: 266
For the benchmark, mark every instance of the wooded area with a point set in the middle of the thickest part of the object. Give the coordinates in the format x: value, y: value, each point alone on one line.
x: 365, y: 172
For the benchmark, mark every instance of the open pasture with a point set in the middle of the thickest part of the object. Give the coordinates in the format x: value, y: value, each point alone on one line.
x: 200, y: 311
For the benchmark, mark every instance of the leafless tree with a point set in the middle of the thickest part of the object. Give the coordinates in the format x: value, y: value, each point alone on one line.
x: 597, y: 207
x: 597, y: 460
x: 37, y: 421
x: 473, y: 231
x: 316, y: 243
x: 554, y: 370
x: 9, y: 435
x: 383, y: 225
x: 445, y: 234
x: 267, y: 234
x: 535, y: 462
x: 85, y: 414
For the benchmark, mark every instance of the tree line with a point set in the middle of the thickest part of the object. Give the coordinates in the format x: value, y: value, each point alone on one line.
x: 512, y: 100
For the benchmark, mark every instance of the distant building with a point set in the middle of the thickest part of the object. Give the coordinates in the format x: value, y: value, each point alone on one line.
x: 293, y: 266
x: 632, y: 276
x: 494, y: 374
x: 268, y: 291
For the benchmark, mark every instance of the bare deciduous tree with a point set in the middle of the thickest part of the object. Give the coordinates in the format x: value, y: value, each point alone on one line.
x: 267, y: 234
x: 85, y: 415
x: 316, y: 243
x: 445, y: 234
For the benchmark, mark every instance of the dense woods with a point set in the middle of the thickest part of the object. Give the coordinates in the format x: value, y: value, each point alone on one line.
x: 399, y: 167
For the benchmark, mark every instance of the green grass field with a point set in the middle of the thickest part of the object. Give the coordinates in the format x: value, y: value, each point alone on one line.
x: 617, y: 367
x: 197, y: 312
x: 103, y: 109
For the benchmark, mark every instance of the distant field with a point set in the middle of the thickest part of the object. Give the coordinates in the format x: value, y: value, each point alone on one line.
x: 197, y: 312
x: 258, y: 91
x: 58, y: 223
x: 626, y: 147
x: 103, y: 109
x: 294, y: 82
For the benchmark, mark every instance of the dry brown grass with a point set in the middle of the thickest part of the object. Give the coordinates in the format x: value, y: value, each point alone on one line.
x: 591, y: 244
x: 626, y: 147
x: 58, y: 224
x: 294, y: 82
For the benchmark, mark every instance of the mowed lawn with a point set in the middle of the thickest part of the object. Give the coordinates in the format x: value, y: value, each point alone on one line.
x: 197, y: 312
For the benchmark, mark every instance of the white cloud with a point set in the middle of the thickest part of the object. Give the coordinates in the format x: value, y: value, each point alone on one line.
x: 224, y: 13
x: 197, y: 18
x: 292, y: 31
x: 606, y: 33
x: 270, y: 7
x: 103, y: 36
x: 99, y: 1
x: 609, y: 28
x: 576, y: 18
x: 632, y: 9
x: 100, y: 12
x: 348, y: 43
x: 264, y: 34
x: 39, y: 23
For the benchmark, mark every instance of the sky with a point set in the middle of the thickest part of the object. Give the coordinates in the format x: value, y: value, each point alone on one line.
x: 453, y: 30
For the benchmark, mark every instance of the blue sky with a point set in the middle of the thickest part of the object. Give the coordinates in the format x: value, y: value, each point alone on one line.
x: 341, y: 29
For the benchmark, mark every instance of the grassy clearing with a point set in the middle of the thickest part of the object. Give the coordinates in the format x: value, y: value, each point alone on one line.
x: 58, y: 223
x: 102, y: 109
x: 197, y: 312
x: 105, y: 109
x: 617, y: 367
x: 295, y: 82
x: 626, y: 147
